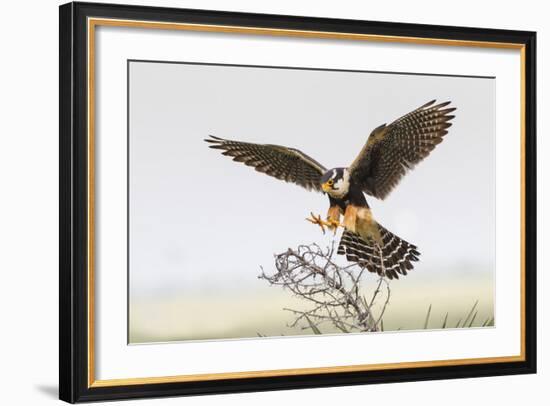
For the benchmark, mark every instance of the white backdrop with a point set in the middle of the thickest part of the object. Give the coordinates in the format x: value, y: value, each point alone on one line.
x: 115, y: 359
x: 28, y: 296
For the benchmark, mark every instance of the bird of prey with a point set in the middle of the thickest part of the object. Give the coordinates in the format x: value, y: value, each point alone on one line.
x: 390, y: 151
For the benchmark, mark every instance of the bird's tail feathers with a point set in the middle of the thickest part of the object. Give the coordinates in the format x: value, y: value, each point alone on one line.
x: 388, y: 256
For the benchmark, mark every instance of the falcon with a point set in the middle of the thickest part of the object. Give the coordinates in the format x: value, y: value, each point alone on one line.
x: 389, y: 153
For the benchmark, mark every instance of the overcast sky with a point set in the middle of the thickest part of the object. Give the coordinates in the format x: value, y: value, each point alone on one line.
x: 201, y: 223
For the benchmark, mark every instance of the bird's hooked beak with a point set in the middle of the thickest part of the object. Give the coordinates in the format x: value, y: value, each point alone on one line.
x: 326, y: 187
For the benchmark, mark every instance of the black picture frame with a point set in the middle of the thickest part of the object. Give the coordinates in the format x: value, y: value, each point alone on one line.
x: 74, y: 385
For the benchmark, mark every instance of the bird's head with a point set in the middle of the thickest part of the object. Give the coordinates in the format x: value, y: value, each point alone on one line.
x: 335, y: 182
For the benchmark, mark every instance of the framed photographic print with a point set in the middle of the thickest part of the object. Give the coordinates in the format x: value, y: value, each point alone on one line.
x: 256, y: 202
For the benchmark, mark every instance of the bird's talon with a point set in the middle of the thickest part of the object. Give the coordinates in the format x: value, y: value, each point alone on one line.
x: 317, y: 220
x: 331, y: 224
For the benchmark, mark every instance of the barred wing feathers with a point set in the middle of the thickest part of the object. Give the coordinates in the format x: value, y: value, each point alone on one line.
x: 392, y: 150
x: 288, y: 164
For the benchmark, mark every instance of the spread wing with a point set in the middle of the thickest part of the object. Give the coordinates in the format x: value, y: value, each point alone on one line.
x: 288, y: 164
x: 392, y: 150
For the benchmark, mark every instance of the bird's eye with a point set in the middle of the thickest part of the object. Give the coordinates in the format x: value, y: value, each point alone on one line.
x: 330, y: 182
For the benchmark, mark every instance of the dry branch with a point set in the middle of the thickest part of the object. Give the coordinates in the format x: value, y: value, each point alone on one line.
x: 334, y: 292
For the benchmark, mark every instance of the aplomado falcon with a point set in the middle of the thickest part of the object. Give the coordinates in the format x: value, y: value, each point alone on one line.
x: 390, y: 151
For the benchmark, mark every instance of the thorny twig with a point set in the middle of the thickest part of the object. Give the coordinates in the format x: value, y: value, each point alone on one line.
x: 335, y: 292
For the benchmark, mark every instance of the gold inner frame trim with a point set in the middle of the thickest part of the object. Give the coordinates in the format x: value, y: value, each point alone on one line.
x: 94, y: 22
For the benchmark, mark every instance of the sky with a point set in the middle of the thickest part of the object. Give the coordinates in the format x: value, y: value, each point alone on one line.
x: 201, y: 225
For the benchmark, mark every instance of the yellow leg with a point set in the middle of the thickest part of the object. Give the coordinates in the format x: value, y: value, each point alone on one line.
x: 331, y: 224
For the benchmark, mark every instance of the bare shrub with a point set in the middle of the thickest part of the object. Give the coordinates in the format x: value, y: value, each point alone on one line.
x: 334, y: 294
